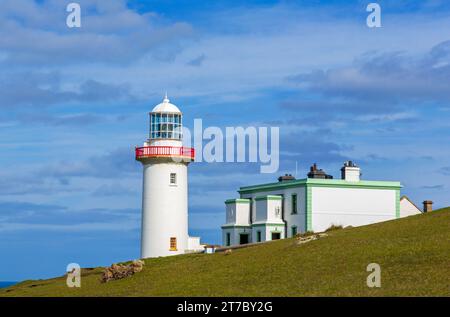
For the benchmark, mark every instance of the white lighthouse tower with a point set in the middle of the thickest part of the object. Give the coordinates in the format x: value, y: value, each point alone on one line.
x: 165, y: 185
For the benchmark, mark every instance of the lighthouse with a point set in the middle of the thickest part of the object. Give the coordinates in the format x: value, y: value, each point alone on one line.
x: 165, y: 163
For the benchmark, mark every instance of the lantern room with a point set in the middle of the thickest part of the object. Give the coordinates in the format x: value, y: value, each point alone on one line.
x: 166, y: 135
x: 166, y: 121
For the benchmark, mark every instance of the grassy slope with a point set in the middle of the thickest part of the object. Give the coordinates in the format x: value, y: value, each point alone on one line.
x: 414, y: 254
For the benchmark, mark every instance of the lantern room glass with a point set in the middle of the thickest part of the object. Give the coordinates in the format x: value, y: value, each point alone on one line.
x: 166, y: 126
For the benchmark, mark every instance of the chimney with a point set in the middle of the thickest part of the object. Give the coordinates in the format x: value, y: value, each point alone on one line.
x: 350, y: 172
x: 427, y: 206
x: 286, y: 177
x: 315, y: 172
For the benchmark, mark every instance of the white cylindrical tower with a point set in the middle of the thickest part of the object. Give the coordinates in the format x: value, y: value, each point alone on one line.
x: 165, y: 191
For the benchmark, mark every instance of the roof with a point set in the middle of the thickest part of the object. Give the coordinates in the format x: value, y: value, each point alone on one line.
x: 166, y: 106
x: 407, y: 198
x: 269, y: 197
x: 317, y: 182
x: 212, y: 246
x: 237, y: 200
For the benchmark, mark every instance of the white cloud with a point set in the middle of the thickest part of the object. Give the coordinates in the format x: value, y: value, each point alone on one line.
x: 36, y: 35
x: 387, y: 117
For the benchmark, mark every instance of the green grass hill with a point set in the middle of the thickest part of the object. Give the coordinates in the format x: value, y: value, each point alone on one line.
x: 413, y: 252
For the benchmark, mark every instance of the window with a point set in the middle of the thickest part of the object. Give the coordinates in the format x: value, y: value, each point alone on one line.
x: 294, y: 231
x: 228, y: 238
x: 165, y: 126
x: 173, y: 178
x: 258, y: 236
x: 294, y: 204
x: 173, y: 244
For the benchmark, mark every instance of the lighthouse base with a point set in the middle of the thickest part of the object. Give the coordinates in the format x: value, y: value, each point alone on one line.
x: 194, y: 245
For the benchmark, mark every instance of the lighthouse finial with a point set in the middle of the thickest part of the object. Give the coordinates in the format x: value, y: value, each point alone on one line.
x: 166, y: 99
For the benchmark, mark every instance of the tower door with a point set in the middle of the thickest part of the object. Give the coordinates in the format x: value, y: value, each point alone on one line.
x: 243, y: 238
x: 276, y: 236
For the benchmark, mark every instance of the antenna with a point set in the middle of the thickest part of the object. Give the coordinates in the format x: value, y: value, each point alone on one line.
x: 295, y: 169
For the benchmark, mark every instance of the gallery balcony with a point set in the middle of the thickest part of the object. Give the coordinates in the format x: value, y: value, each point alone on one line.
x: 175, y: 152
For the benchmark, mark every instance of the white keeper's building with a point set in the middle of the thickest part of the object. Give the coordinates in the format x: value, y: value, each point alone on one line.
x: 290, y: 206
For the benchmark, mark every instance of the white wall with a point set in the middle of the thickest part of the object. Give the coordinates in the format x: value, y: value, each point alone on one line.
x: 230, y: 216
x: 266, y: 211
x: 164, y: 209
x: 224, y: 236
x: 266, y: 232
x: 272, y: 207
x: 261, y: 210
x: 351, y: 206
x: 270, y: 229
x: 298, y: 219
x: 255, y: 230
x: 291, y: 219
x: 242, y: 214
x: 235, y: 234
x: 164, y: 142
x: 238, y: 213
x: 194, y: 244
x: 408, y: 209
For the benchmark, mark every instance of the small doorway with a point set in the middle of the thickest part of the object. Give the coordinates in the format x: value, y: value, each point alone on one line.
x: 228, y: 239
x: 243, y: 238
x: 276, y: 235
x: 294, y: 231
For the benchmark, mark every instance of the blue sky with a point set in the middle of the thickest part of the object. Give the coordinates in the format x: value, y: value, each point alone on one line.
x: 74, y: 104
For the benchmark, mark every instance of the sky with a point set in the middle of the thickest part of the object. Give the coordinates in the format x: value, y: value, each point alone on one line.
x: 74, y: 103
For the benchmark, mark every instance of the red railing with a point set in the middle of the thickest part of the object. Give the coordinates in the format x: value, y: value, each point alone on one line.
x: 165, y: 151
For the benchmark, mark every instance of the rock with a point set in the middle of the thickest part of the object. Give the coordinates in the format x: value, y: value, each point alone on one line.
x: 119, y: 271
x: 301, y: 240
x: 137, y: 266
